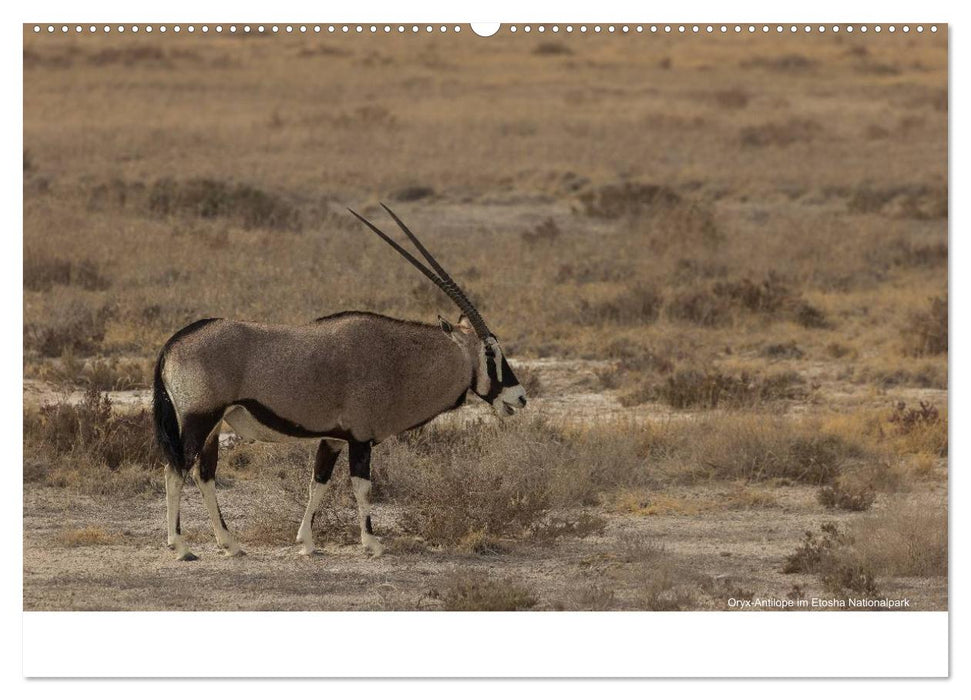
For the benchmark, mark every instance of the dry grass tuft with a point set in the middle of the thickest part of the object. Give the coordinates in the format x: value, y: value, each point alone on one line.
x: 828, y: 557
x: 86, y: 537
x: 76, y: 326
x: 780, y: 134
x: 926, y: 331
x: 691, y: 388
x: 489, y: 482
x: 112, y: 374
x: 91, y: 448
x: 476, y: 591
x: 209, y: 199
x: 42, y: 273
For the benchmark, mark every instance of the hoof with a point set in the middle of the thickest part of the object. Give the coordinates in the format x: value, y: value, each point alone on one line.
x: 373, y: 547
x: 234, y: 553
x: 306, y: 551
x: 187, y: 556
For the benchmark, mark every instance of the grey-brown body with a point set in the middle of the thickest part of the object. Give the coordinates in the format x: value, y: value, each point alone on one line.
x: 353, y: 375
x: 354, y: 378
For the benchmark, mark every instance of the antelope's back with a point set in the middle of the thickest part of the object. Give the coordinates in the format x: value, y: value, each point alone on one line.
x: 357, y: 373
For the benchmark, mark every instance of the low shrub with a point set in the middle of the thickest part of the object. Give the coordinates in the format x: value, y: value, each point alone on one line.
x: 475, y: 591
x: 925, y: 332
x: 830, y: 558
x: 207, y: 199
x: 74, y: 327
x: 693, y: 388
x: 91, y: 447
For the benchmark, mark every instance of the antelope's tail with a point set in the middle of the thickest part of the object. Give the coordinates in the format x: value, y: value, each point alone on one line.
x: 166, y: 422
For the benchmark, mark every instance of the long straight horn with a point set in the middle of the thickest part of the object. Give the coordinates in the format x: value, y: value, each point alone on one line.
x: 454, y: 294
x: 474, y: 317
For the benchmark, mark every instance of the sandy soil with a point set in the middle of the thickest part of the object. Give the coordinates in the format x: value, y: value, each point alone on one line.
x: 717, y: 553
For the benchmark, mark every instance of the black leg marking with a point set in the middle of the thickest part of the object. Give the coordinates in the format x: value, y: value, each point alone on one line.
x: 359, y: 454
x: 178, y: 523
x: 195, y: 431
x: 209, y: 457
x: 327, y: 454
x: 367, y: 525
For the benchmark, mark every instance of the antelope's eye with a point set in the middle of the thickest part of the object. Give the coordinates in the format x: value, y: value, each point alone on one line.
x: 489, y: 352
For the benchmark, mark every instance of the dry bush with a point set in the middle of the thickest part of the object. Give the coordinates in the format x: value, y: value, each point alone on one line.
x: 75, y: 326
x: 846, y: 495
x: 371, y: 117
x: 926, y: 331
x: 903, y: 540
x: 477, y: 591
x: 784, y: 63
x: 552, y: 48
x: 502, y: 481
x: 783, y: 351
x: 208, y: 199
x: 638, y: 305
x: 906, y: 254
x: 85, y: 537
x: 627, y: 199
x: 692, y: 388
x: 545, y: 232
x: 585, y: 271
x: 830, y: 557
x: 412, y: 193
x: 718, y: 303
x: 754, y: 448
x: 922, y: 202
x: 700, y: 307
x: 919, y: 430
x: 734, y: 98
x: 658, y: 580
x: 41, y: 273
x: 90, y: 447
x: 111, y: 374
x: 780, y: 133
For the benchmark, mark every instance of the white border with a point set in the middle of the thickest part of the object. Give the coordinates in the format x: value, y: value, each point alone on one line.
x: 257, y: 643
x: 470, y: 645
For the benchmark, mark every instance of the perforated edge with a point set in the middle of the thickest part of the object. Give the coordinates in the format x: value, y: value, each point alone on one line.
x: 424, y: 29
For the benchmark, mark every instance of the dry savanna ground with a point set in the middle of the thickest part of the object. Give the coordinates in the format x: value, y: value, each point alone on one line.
x: 719, y: 263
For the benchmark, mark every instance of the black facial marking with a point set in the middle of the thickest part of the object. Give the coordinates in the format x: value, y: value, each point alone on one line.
x: 508, y: 378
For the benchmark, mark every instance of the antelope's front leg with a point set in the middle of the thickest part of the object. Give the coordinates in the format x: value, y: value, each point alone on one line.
x: 327, y: 453
x: 360, y: 459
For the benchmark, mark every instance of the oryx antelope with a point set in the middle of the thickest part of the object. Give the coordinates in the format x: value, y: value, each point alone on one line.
x: 353, y: 377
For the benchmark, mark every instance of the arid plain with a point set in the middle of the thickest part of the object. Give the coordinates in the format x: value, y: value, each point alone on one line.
x: 719, y: 264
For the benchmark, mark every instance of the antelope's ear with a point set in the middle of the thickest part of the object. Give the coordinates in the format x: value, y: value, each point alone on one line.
x: 464, y: 322
x: 446, y: 326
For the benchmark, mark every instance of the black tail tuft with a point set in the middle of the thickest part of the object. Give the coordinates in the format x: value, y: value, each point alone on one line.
x: 166, y: 422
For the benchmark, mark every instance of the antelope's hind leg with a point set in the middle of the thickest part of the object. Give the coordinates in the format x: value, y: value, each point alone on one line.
x: 359, y: 455
x: 204, y: 474
x: 173, y: 495
x: 327, y: 453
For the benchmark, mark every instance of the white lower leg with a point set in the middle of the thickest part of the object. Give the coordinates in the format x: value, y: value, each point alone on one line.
x: 362, y: 493
x: 173, y: 495
x: 305, y: 535
x: 224, y: 537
